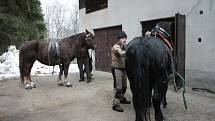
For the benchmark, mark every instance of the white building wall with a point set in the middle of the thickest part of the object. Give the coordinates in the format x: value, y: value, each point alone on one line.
x: 200, y: 56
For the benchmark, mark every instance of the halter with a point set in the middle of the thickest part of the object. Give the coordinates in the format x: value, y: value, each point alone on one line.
x: 87, y: 36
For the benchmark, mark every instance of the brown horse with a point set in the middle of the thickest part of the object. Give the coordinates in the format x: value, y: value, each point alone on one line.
x: 67, y: 48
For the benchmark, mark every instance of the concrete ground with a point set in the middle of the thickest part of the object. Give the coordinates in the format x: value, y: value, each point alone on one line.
x: 89, y: 102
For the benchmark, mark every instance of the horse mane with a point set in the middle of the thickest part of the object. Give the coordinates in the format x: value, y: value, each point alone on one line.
x: 136, y: 40
x: 73, y: 38
x: 75, y: 35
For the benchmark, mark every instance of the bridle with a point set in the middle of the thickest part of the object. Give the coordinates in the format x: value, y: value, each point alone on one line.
x: 88, y: 38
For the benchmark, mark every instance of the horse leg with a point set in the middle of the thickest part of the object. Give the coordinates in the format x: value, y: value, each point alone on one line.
x: 27, y: 78
x: 60, y: 82
x: 22, y: 78
x: 66, y: 82
x: 22, y: 69
x: 28, y: 84
x: 164, y: 96
x: 29, y: 75
x: 150, y: 97
x: 156, y: 102
x: 31, y: 82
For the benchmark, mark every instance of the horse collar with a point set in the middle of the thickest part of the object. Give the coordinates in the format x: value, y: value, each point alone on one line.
x: 161, y: 30
x: 168, y: 42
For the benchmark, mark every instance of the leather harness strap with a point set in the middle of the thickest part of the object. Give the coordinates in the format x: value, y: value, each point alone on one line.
x: 53, y: 52
x: 166, y: 41
x: 57, y: 49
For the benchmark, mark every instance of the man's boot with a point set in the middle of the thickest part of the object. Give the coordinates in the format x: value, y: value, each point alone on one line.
x: 81, y: 79
x: 117, y: 108
x: 124, y: 100
x: 88, y: 80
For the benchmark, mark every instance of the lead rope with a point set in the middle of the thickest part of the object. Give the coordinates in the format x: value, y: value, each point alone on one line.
x: 183, y: 80
x: 173, y: 68
x: 184, y: 100
x: 93, y: 54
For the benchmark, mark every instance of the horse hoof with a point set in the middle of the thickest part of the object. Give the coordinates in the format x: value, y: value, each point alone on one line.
x: 28, y: 87
x: 165, y: 105
x: 60, y: 84
x: 149, y: 105
x: 33, y: 85
x: 68, y: 84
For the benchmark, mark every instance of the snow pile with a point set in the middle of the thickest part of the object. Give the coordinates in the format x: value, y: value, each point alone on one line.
x: 9, y: 65
x: 41, y: 69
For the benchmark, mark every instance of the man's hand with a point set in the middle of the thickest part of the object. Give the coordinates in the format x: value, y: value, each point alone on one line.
x: 123, y: 47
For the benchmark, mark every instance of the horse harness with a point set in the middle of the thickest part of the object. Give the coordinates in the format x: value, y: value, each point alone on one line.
x: 163, y: 35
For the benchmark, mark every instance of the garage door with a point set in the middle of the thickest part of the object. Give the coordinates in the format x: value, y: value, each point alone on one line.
x: 105, y: 39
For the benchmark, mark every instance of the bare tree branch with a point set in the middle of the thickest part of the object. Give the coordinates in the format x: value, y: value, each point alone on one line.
x: 60, y: 22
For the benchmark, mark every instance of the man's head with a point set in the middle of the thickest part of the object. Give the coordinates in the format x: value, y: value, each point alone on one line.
x: 122, y: 37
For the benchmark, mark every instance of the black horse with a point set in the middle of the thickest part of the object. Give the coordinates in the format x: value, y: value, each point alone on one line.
x: 148, y: 66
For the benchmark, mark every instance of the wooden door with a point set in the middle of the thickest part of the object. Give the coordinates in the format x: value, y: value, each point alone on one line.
x: 180, y: 46
x: 101, y: 50
x: 105, y: 38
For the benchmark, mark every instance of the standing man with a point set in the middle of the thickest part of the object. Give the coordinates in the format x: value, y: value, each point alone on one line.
x: 118, y: 71
x: 82, y: 60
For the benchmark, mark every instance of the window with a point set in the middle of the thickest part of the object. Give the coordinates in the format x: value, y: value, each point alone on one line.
x: 94, y: 5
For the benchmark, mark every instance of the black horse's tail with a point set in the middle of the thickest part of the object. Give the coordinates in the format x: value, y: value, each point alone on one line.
x: 142, y: 89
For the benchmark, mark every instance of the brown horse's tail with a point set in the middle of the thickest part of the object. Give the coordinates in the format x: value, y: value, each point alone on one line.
x: 27, y: 56
x: 21, y: 65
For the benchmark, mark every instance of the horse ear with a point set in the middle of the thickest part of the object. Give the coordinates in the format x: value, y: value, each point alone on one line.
x: 87, y: 31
